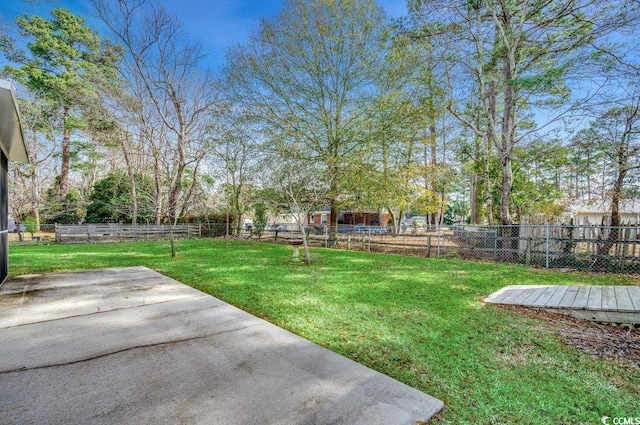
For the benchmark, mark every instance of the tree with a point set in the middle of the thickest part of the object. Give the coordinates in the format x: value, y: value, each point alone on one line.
x: 113, y: 130
x: 386, y: 175
x: 170, y: 83
x: 513, y: 58
x: 585, y: 160
x: 39, y: 126
x: 296, y: 188
x: 259, y: 217
x: 111, y: 199
x: 617, y: 134
x: 536, y: 180
x: 68, y: 210
x: 308, y: 75
x: 238, y: 157
x: 66, y: 63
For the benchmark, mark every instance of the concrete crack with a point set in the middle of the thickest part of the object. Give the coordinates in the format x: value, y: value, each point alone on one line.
x: 113, y: 309
x: 44, y: 288
x: 123, y: 350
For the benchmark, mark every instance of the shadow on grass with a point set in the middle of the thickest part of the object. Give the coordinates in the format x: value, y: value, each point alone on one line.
x: 418, y: 320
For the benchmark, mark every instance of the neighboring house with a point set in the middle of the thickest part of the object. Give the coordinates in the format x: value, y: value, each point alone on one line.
x: 351, y: 218
x: 594, y: 213
x: 288, y: 222
x: 12, y: 149
x: 320, y: 217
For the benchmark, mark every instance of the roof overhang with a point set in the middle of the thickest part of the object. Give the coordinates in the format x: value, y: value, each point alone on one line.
x: 11, y: 136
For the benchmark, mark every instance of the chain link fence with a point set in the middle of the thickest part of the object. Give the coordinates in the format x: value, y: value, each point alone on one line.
x: 601, y: 249
x: 586, y: 248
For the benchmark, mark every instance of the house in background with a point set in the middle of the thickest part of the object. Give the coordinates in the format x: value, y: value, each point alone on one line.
x: 351, y: 218
x: 321, y: 218
x: 599, y: 212
x: 13, y: 149
x: 287, y: 222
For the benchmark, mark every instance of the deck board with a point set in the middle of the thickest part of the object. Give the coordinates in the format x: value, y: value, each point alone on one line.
x: 507, y: 295
x: 582, y: 298
x: 533, y: 296
x: 595, y: 298
x: 609, y: 298
x: 624, y: 299
x: 546, y: 296
x: 618, y: 304
x: 569, y: 296
x: 634, y: 292
x: 515, y: 296
x: 557, y: 296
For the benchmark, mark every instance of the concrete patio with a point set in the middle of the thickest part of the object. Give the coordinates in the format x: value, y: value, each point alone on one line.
x: 131, y: 346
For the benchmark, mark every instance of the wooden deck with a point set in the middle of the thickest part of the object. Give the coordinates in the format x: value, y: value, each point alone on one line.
x: 613, y: 304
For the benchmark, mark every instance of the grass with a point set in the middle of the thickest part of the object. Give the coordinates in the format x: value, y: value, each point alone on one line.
x: 420, y: 321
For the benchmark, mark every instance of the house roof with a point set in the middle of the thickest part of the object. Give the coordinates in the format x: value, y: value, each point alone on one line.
x: 11, y: 136
x: 627, y: 206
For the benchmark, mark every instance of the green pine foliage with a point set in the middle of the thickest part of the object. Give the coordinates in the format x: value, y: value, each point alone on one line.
x: 111, y: 202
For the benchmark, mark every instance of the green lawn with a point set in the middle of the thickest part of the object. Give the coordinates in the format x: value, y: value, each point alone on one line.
x: 418, y: 320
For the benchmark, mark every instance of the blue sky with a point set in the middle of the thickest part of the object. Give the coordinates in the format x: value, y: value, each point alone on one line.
x: 218, y: 24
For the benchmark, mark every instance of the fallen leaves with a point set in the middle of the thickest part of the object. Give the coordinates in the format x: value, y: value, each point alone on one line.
x: 610, y: 341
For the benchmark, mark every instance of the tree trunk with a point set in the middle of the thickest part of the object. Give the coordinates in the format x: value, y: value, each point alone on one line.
x: 602, y: 262
x: 66, y: 154
x: 132, y: 181
x: 189, y: 195
x: 333, y: 193
x: 172, y: 240
x: 433, y: 160
x: 488, y: 196
x: 35, y: 196
x: 473, y: 200
x: 393, y: 220
x: 237, y: 209
x: 134, y: 197
x: 508, y: 136
x: 489, y: 137
x: 505, y: 190
x: 176, y: 183
x: 333, y: 222
x: 174, y: 193
x: 508, y: 230
x: 305, y: 243
x: 157, y: 190
x: 36, y: 218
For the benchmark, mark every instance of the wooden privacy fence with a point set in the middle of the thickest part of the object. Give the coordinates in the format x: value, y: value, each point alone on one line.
x: 90, y: 233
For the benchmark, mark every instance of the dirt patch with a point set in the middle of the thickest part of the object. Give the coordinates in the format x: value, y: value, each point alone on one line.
x: 28, y: 237
x: 604, y: 340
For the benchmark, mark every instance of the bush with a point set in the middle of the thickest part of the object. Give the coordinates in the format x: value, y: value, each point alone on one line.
x: 260, y: 218
x: 30, y: 224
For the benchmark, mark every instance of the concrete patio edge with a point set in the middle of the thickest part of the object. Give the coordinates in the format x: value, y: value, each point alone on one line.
x: 129, y: 345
